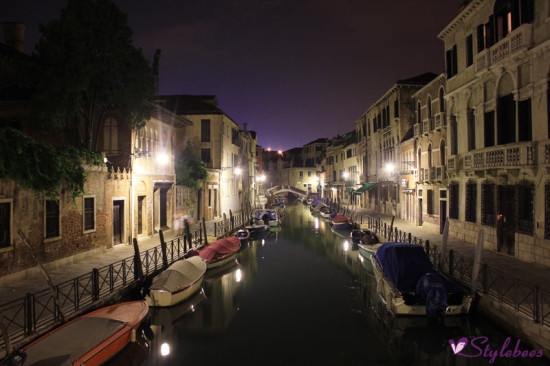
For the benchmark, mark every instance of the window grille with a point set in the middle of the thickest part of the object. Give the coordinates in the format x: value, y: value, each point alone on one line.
x: 430, y: 203
x: 52, y: 219
x: 471, y: 200
x: 453, y: 200
x: 526, y: 193
x: 89, y: 214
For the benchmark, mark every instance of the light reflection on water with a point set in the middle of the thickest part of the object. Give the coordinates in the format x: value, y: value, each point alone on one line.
x: 303, y: 295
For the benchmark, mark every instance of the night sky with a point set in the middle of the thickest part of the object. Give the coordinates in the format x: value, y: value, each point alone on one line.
x: 294, y: 70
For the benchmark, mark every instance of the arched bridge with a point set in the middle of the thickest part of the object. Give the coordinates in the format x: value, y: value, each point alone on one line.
x: 282, y: 189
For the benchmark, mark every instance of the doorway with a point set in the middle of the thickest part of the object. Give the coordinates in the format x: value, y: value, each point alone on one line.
x: 419, y: 212
x: 442, y: 215
x: 162, y: 207
x: 118, y: 221
x: 506, y: 219
x: 140, y: 210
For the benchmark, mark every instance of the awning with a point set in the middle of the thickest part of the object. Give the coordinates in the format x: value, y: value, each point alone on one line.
x: 365, y: 187
x: 349, y: 190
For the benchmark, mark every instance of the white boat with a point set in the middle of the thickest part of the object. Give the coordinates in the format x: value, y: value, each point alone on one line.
x: 408, y: 283
x: 177, y: 283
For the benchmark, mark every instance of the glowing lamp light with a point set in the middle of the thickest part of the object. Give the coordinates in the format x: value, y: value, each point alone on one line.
x: 346, y: 174
x: 268, y: 149
x: 105, y: 160
x: 164, y: 349
x: 280, y: 152
x: 238, y: 171
x: 163, y: 158
x: 346, y: 245
x: 390, y: 168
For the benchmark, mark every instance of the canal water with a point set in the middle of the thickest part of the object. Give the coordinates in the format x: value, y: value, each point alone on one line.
x: 302, y: 295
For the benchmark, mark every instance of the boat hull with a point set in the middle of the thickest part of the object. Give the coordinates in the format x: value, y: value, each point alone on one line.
x: 75, y: 342
x: 342, y: 225
x: 221, y: 261
x: 395, y: 303
x: 163, y: 298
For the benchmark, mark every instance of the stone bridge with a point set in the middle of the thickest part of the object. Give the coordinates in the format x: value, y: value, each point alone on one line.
x: 282, y: 189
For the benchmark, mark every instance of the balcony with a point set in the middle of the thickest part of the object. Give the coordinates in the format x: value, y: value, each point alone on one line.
x: 440, y: 120
x: 452, y: 163
x: 417, y: 130
x: 519, y: 39
x: 427, y: 126
x: 517, y: 155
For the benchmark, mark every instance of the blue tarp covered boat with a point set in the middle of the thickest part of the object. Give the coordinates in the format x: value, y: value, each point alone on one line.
x: 410, y: 284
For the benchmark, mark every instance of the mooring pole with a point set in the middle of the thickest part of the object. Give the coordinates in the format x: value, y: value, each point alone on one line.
x: 163, y: 250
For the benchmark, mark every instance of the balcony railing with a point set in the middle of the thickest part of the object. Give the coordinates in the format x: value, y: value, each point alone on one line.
x: 520, y: 38
x: 439, y: 120
x: 452, y: 163
x: 522, y: 154
x: 426, y: 126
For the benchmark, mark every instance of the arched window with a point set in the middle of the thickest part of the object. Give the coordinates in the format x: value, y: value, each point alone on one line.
x: 441, y: 100
x: 419, y: 160
x: 429, y: 155
x: 418, y: 113
x: 110, y: 136
x: 454, y: 136
x: 506, y: 111
x: 429, y: 106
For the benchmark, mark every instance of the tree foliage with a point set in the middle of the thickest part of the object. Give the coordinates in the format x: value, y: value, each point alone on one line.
x: 87, y: 68
x: 43, y: 167
x: 190, y: 169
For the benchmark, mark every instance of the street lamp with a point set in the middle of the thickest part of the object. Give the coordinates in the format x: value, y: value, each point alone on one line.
x: 163, y: 158
x: 238, y: 171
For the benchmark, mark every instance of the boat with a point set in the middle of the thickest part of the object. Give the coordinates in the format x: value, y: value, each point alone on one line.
x: 177, y: 283
x: 326, y: 213
x: 220, y: 252
x: 314, y: 204
x: 341, y: 222
x: 243, y: 234
x: 90, y: 339
x: 255, y: 229
x: 408, y: 283
x: 267, y: 217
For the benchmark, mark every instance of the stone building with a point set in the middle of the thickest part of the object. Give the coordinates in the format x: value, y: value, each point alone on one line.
x: 430, y: 133
x: 497, y: 63
x: 214, y: 137
x: 407, y: 177
x: 381, y: 128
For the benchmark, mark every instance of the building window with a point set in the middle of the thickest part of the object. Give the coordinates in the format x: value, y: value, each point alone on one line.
x: 506, y: 119
x: 469, y: 51
x: 471, y: 201
x: 110, y: 136
x: 349, y: 153
x: 430, y: 203
x: 453, y: 200
x: 471, y: 116
x: 301, y: 174
x: 209, y: 197
x: 510, y: 14
x: 5, y: 223
x: 489, y: 128
x: 454, y: 136
x: 396, y: 109
x: 547, y: 211
x: 488, y: 216
x: 526, y: 192
x: 451, y: 64
x: 309, y: 174
x: 89, y: 213
x: 205, y: 130
x: 234, y: 136
x: 442, y: 102
x: 52, y: 219
x: 525, y: 127
x: 205, y: 156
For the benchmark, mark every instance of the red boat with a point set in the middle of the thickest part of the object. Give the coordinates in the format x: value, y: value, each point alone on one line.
x: 91, y: 339
x: 220, y: 252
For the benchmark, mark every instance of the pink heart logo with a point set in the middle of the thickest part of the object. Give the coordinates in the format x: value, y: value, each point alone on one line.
x: 459, y: 346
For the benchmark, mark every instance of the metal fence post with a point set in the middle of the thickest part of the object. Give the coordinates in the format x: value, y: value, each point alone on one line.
x: 95, y: 284
x: 29, y: 314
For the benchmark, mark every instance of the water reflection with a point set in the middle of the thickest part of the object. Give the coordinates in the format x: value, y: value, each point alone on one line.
x: 302, y: 295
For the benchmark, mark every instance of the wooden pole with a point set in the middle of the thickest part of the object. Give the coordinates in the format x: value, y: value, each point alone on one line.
x: 138, y: 269
x: 204, y: 226
x: 5, y: 335
x: 444, y: 244
x: 46, y: 275
x: 163, y: 250
x: 477, y: 262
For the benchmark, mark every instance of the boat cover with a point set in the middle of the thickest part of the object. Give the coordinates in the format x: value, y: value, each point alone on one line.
x: 340, y: 218
x: 404, y: 264
x: 220, y: 248
x: 180, y: 274
x: 315, y: 203
x: 259, y: 215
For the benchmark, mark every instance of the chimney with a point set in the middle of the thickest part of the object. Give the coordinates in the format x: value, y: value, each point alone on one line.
x: 14, y: 34
x: 156, y: 70
x: 244, y: 127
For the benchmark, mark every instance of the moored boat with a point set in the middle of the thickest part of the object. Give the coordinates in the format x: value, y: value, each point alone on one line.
x: 409, y: 284
x: 243, y: 234
x: 256, y: 228
x: 90, y: 339
x: 177, y: 283
x: 341, y: 222
x: 220, y: 252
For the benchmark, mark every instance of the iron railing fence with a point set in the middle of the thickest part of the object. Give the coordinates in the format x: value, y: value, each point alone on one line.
x: 527, y: 299
x: 37, y: 312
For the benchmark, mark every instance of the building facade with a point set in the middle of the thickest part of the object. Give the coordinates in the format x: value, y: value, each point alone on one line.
x: 497, y: 62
